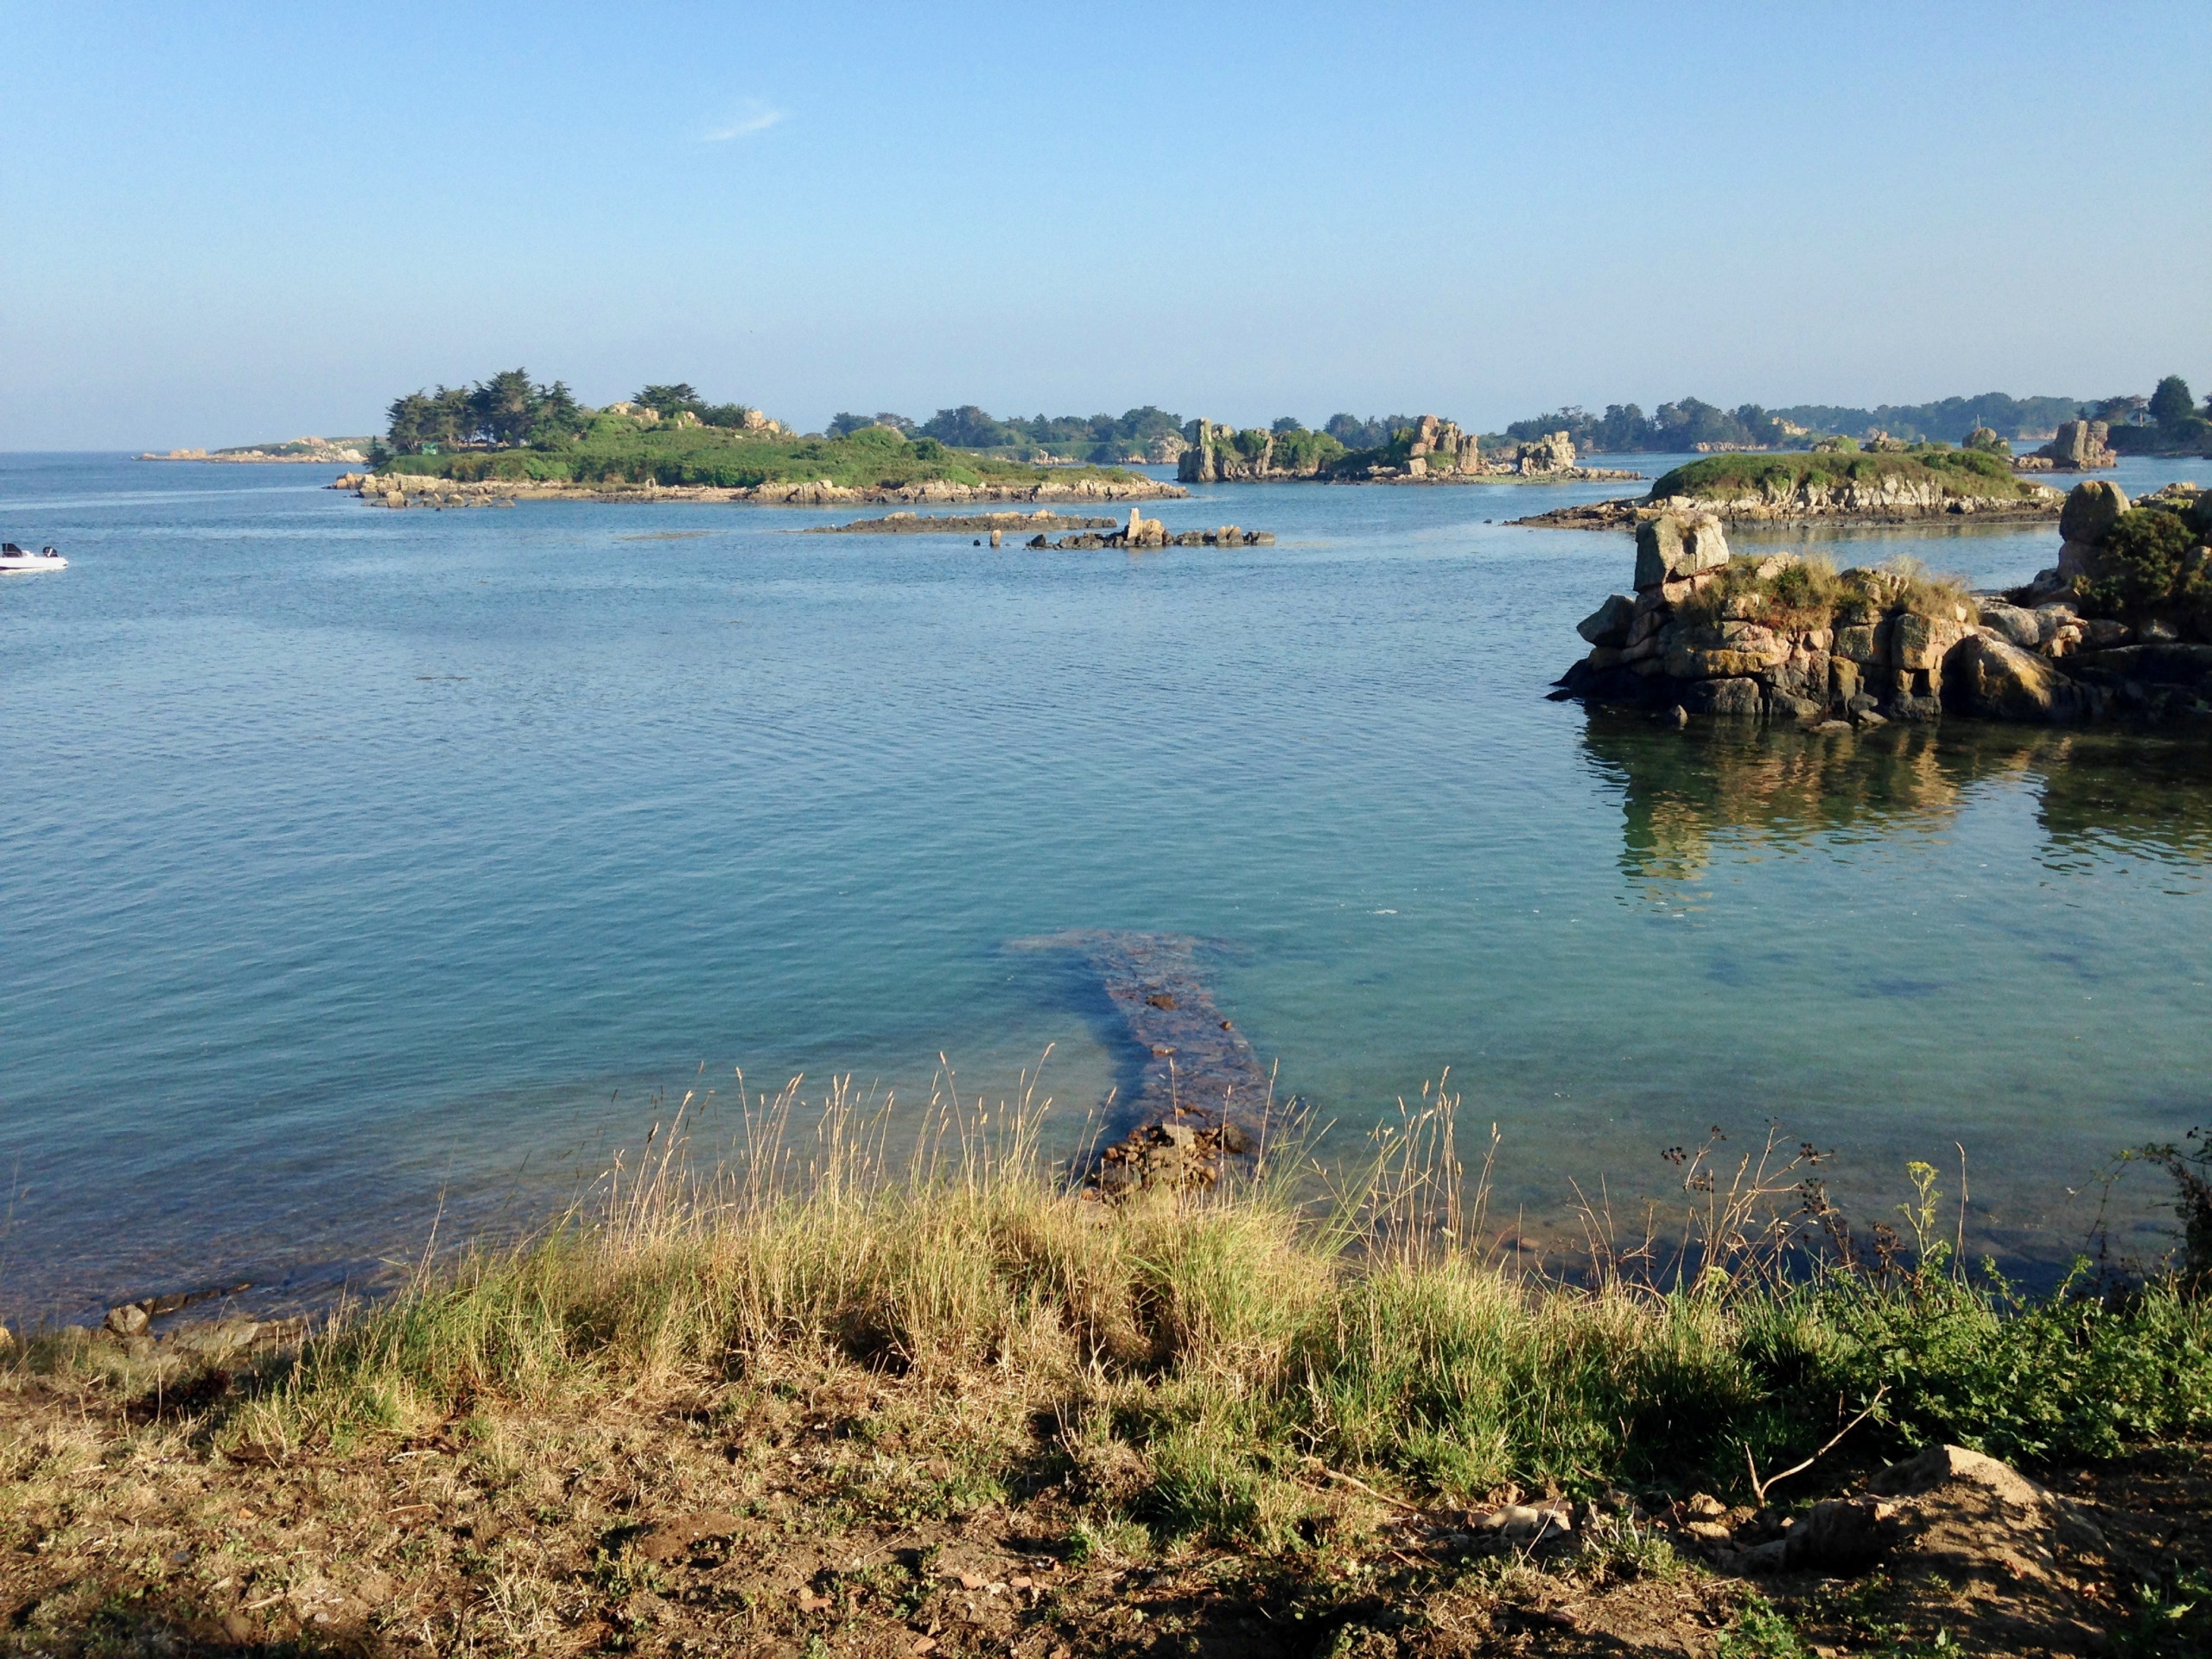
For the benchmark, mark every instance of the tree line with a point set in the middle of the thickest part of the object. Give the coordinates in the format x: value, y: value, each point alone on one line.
x: 2169, y: 417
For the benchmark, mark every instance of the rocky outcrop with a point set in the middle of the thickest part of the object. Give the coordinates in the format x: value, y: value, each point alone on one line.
x: 2079, y: 446
x: 1439, y: 449
x: 1431, y: 451
x: 1709, y: 634
x: 1888, y: 499
x: 414, y: 490
x: 1221, y: 455
x: 1142, y: 533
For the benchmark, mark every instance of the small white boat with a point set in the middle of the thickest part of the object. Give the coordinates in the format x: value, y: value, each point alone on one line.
x: 15, y: 560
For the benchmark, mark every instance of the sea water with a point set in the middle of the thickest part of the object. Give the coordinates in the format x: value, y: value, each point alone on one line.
x: 363, y: 871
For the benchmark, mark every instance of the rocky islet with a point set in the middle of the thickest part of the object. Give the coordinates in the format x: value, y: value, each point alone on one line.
x: 1776, y: 636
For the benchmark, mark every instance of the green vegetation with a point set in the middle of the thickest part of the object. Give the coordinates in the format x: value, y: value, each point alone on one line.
x: 1685, y: 425
x: 1955, y: 472
x: 612, y: 448
x: 2152, y: 566
x: 1795, y: 593
x: 816, y: 1395
x: 508, y: 409
x: 1212, y: 1351
x: 2167, y: 421
x: 1105, y: 438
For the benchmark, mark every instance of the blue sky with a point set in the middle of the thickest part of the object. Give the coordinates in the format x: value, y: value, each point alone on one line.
x: 226, y: 223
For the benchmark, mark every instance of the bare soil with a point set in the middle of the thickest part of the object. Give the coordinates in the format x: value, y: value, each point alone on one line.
x: 831, y: 1510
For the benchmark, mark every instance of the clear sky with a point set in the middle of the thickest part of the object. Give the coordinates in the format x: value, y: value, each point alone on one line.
x: 226, y: 223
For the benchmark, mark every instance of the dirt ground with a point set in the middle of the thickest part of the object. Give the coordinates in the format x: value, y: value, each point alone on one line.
x: 844, y: 1513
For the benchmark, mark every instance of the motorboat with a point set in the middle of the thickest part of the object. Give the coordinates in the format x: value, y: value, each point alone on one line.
x: 15, y: 560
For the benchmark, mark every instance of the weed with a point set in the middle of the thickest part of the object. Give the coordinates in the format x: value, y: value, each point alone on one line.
x: 1760, y: 1630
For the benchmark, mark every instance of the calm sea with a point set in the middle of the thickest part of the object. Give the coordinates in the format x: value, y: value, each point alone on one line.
x: 356, y: 863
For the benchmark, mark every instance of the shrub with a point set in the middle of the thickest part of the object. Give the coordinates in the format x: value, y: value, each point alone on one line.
x: 2149, y: 565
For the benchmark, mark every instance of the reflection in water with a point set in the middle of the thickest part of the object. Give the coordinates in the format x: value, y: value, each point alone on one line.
x: 1738, y: 786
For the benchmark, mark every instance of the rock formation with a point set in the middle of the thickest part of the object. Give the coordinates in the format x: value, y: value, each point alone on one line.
x: 1431, y: 451
x: 1779, y: 637
x: 2078, y: 447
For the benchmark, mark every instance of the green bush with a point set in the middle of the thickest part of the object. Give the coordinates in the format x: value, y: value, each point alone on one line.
x: 2149, y: 565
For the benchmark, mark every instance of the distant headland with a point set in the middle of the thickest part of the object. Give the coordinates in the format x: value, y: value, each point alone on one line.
x: 311, y: 452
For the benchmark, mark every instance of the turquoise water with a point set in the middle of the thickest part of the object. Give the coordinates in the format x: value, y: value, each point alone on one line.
x: 355, y: 862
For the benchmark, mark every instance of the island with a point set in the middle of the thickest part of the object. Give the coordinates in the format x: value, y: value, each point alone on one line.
x: 2119, y: 626
x: 509, y: 439
x: 307, y: 452
x: 1424, y: 451
x: 1915, y: 482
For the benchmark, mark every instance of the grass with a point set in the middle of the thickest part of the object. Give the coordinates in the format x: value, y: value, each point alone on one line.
x: 1949, y: 472
x: 1216, y: 1353
x: 1799, y: 593
x: 617, y: 449
x: 852, y: 1328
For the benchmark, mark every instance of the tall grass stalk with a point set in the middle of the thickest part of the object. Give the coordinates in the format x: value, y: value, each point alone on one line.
x: 1201, y: 1353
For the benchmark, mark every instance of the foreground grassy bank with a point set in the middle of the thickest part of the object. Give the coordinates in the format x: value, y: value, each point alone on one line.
x: 821, y: 1404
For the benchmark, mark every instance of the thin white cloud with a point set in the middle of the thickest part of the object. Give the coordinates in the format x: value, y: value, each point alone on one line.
x: 753, y: 115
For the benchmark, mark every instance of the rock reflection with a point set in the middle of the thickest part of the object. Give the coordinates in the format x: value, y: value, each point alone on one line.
x: 1735, y: 787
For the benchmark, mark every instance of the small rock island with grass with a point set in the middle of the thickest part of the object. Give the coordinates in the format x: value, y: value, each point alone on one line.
x: 1837, y: 486
x: 2119, y: 625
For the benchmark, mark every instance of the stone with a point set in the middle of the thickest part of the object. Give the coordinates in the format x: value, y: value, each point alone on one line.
x: 2091, y: 510
x: 1523, y: 1524
x: 1611, y: 623
x: 1921, y: 642
x: 1722, y: 696
x: 1843, y: 678
x: 2103, y: 633
x: 216, y: 1338
x: 1858, y: 643
x: 2021, y: 627
x: 1688, y: 662
x: 1999, y: 680
x: 128, y: 1320
x: 1784, y: 704
x: 1670, y: 548
x: 2075, y: 559
x: 2078, y: 445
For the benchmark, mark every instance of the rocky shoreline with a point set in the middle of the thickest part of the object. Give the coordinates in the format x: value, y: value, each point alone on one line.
x: 1783, y: 637
x: 413, y: 490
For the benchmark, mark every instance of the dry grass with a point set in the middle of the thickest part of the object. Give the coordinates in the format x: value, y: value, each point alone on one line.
x: 858, y: 1351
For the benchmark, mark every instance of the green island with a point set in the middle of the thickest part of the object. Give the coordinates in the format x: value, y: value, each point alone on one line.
x: 509, y: 438
x: 1922, y: 480
x: 1955, y: 473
